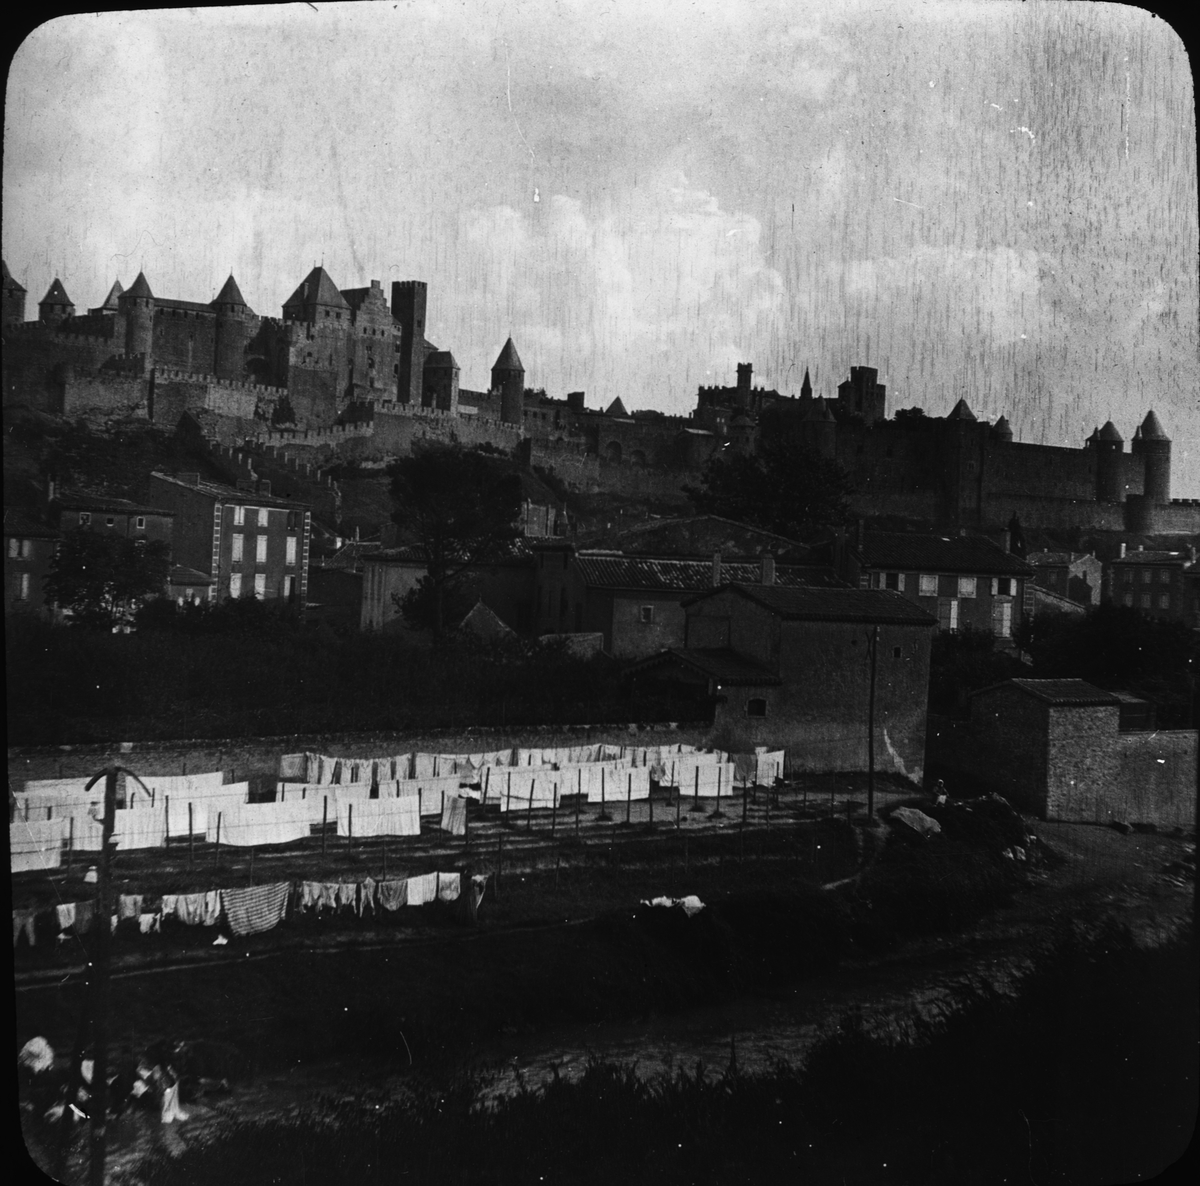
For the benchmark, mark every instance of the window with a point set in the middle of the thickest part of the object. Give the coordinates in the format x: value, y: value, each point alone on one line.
x: 110, y: 521
x: 239, y: 516
x: 235, y: 584
x: 1144, y: 599
x: 1002, y: 586
x: 966, y: 586
x: 1002, y: 619
x: 893, y: 580
x: 289, y: 585
x: 1164, y: 600
x: 141, y: 522
x: 1164, y: 575
x: 756, y: 706
x: 928, y: 585
x: 23, y: 587
x: 895, y: 652
x: 948, y: 614
x: 1147, y: 576
x: 291, y: 520
x: 260, y: 585
x: 646, y: 614
x: 1127, y: 577
x: 260, y: 550
x: 18, y: 549
x: 238, y: 540
x: 254, y: 517
x: 1128, y: 599
x: 290, y: 554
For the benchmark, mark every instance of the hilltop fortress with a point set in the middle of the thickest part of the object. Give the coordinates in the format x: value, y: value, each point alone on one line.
x: 347, y: 375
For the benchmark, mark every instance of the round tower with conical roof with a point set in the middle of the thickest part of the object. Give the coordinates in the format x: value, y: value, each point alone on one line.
x: 508, y: 378
x: 1154, y: 447
x: 14, y: 298
x: 55, y: 307
x: 1002, y: 430
x: 1110, y: 447
x: 229, y: 337
x: 137, y: 305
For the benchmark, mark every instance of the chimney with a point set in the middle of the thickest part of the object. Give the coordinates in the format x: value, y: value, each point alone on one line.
x: 1192, y: 553
x: 1006, y: 540
x: 190, y: 479
x: 245, y: 485
x: 768, y: 569
x: 51, y: 487
x: 264, y: 485
x: 716, y: 570
x: 1122, y: 549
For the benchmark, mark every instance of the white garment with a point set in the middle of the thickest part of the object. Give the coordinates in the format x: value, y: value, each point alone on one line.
x: 245, y: 825
x: 422, y: 889
x: 137, y: 828
x: 37, y: 844
x: 379, y: 817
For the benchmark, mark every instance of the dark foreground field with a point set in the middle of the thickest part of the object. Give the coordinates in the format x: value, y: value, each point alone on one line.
x: 425, y: 1001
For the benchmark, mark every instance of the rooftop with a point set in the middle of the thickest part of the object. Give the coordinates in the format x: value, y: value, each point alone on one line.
x: 317, y: 289
x: 508, y: 358
x: 1076, y: 693
x: 224, y: 493
x: 938, y: 553
x: 1154, y: 556
x: 74, y: 500
x: 695, y: 536
x: 611, y: 570
x: 882, y: 606
x: 1045, y: 559
x: 56, y: 294
x: 718, y: 663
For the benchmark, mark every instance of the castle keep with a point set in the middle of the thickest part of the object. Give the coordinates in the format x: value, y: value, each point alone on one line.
x: 346, y: 374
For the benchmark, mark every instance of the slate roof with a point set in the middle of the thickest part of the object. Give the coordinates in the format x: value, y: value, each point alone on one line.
x: 909, y: 551
x: 190, y: 306
x: 884, y: 606
x: 223, y: 493
x: 657, y: 574
x: 1075, y: 693
x: 1152, y: 430
x: 317, y: 289
x: 230, y: 294
x: 10, y: 284
x: 960, y: 411
x: 719, y: 663
x: 56, y: 295
x: 111, y: 302
x: 508, y: 358
x: 1109, y: 432
x: 442, y: 359
x: 616, y: 408
x: 140, y: 287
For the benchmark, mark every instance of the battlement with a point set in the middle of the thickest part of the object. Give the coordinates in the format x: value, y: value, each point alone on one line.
x: 318, y: 436
x: 372, y: 407
x: 35, y: 329
x: 172, y: 374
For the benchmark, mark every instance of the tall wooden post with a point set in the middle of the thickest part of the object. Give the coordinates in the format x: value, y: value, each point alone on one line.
x: 217, y: 854
x: 103, y: 937
x: 529, y: 809
x: 872, y: 651
x: 166, y: 818
x: 628, y: 795
x: 191, y: 840
x: 324, y: 820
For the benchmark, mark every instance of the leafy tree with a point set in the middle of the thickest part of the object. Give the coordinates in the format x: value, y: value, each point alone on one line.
x: 102, y: 579
x: 910, y: 414
x: 1115, y: 647
x: 461, y: 506
x: 786, y: 488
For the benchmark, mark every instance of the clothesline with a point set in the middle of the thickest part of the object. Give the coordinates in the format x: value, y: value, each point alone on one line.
x: 247, y: 910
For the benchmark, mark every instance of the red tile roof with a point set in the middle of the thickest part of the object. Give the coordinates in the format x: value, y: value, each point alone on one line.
x: 883, y: 606
x: 910, y: 551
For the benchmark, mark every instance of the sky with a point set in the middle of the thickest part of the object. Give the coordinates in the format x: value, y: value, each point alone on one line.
x: 987, y: 200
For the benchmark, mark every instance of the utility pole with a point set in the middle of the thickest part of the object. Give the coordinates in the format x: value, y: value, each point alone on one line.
x: 872, y: 652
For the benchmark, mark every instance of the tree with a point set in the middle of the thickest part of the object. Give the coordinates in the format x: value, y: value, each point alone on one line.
x: 101, y: 580
x: 786, y: 488
x: 462, y: 507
